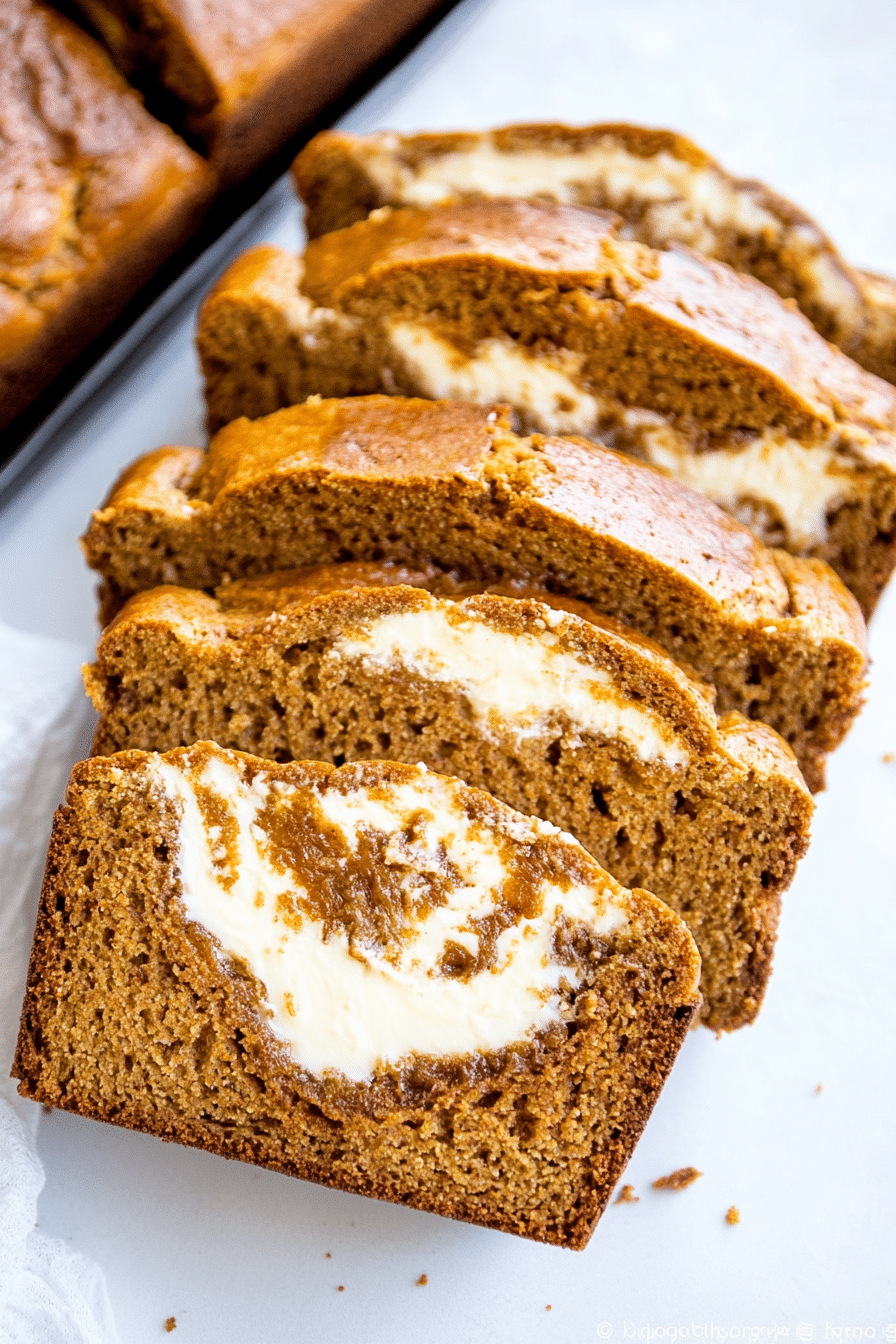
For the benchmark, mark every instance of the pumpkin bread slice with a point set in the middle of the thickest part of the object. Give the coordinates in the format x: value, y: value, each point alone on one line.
x: 374, y: 978
x: 450, y: 485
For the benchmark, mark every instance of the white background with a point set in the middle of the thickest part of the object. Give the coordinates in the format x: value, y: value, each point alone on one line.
x: 804, y: 96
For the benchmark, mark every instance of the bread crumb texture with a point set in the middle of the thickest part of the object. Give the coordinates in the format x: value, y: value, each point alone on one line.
x: 732, y: 1217
x: 341, y: 177
x: 282, y: 666
x: 678, y: 1180
x: 135, y: 1016
x: 627, y: 1196
x: 449, y: 485
x: 666, y: 355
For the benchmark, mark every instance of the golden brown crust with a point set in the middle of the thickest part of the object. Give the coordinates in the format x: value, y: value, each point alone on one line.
x: 254, y: 670
x: 381, y: 478
x: 110, y: 919
x: 773, y: 239
x: 374, y: 438
x: 99, y: 194
x: 572, y: 246
x: 801, y: 382
x: 94, y: 195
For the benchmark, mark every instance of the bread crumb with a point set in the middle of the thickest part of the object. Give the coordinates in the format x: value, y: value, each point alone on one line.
x: 170, y: 1324
x: 47, y: 1110
x: 329, y: 1256
x: 422, y: 1281
x: 548, y: 1307
x: 627, y: 1196
x: 819, y: 1089
x: 732, y: 1217
x: 341, y: 1288
x: 888, y: 757
x: 678, y: 1180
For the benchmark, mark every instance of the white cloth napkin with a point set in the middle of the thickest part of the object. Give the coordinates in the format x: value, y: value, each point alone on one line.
x: 49, y: 1294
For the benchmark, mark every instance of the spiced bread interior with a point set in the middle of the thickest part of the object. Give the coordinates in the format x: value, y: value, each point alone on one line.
x: 666, y: 189
x: 374, y: 978
x: 667, y: 355
x: 452, y: 486
x: 556, y: 712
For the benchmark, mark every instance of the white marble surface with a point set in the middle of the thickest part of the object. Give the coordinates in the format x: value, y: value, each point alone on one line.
x: 804, y: 96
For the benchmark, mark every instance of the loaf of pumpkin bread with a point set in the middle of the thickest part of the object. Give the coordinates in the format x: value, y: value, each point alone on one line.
x: 240, y: 78
x: 94, y: 195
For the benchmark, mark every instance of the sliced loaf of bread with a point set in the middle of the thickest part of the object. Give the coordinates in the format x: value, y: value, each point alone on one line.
x: 555, y: 712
